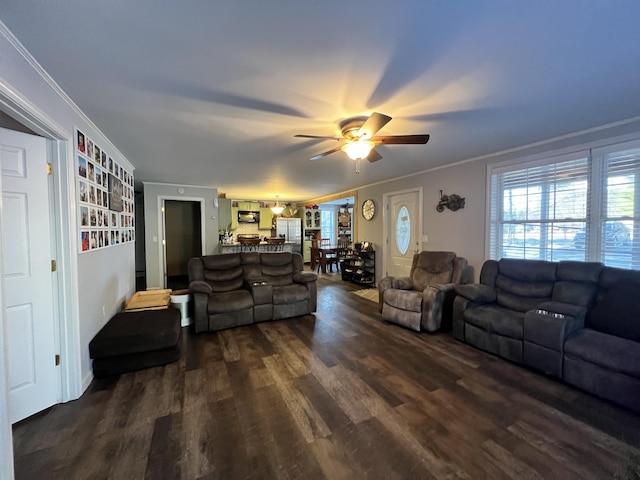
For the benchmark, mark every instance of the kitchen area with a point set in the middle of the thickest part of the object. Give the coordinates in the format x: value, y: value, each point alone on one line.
x: 254, y: 225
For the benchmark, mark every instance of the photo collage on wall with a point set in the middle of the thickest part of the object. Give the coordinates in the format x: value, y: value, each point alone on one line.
x: 105, y: 197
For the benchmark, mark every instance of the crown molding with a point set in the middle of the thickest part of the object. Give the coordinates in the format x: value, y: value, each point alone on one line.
x: 27, y: 106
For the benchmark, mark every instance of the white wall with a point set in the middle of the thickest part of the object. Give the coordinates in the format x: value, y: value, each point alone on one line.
x: 463, y: 231
x: 101, y: 278
x: 152, y: 193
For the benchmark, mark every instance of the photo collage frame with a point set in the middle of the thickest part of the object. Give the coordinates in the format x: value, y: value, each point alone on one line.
x: 105, y: 197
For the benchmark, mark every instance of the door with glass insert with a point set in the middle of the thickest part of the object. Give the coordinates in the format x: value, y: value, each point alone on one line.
x: 405, y: 225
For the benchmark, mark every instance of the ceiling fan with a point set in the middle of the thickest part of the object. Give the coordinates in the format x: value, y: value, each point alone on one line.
x: 359, y: 137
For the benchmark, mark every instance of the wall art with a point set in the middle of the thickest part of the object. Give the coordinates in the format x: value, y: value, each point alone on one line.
x: 105, y: 197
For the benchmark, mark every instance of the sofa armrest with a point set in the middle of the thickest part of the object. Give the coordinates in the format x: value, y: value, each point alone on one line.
x: 305, y: 277
x: 199, y: 286
x: 441, y: 287
x: 434, y: 298
x: 476, y: 292
x: 200, y: 313
x: 401, y: 283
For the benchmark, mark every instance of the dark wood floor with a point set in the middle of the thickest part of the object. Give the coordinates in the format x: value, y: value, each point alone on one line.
x: 336, y: 395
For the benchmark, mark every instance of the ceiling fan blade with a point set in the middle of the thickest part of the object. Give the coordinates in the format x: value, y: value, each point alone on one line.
x: 400, y: 139
x: 374, y: 156
x: 324, y: 154
x: 321, y: 137
x: 374, y: 123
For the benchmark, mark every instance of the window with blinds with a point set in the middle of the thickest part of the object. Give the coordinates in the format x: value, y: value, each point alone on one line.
x: 620, y: 223
x: 584, y: 207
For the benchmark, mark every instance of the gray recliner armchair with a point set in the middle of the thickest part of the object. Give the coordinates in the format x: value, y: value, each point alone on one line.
x: 421, y: 300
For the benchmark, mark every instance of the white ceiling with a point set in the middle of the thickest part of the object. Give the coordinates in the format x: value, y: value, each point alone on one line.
x: 210, y: 93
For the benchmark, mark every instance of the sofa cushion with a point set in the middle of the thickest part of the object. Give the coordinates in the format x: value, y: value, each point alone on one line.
x: 606, y: 351
x: 534, y: 271
x: 222, y: 272
x: 293, y: 293
x: 224, y: 302
x: 577, y: 282
x: 520, y: 303
x: 277, y: 268
x: 617, y: 312
x: 612, y: 276
x: 407, y: 300
x: 522, y: 284
x: 495, y: 319
x: 431, y: 268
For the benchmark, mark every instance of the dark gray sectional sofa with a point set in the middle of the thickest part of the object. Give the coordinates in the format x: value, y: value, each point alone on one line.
x: 578, y: 321
x: 234, y: 289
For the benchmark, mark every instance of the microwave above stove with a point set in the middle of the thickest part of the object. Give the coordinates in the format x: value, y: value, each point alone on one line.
x: 248, y: 217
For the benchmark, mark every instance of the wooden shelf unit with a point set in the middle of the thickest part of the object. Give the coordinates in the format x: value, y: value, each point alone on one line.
x: 359, y: 266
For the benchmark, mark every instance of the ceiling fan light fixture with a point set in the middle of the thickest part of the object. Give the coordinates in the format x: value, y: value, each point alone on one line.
x: 358, y: 150
x: 277, y: 209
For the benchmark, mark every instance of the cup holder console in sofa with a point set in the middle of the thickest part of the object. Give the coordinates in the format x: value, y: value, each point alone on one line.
x: 578, y: 321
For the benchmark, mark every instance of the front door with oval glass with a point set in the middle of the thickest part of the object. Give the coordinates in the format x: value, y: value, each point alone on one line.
x: 404, y: 225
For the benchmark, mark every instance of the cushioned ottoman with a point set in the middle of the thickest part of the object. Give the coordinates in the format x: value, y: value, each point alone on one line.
x: 135, y: 340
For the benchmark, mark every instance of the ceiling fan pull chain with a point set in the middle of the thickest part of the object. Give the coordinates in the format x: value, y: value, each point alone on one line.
x: 357, y: 165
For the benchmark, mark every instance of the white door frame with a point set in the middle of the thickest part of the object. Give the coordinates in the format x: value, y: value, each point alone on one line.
x: 162, y: 251
x: 66, y: 307
x: 386, y: 221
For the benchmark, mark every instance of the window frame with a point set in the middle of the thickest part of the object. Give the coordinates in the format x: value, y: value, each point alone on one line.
x: 596, y: 215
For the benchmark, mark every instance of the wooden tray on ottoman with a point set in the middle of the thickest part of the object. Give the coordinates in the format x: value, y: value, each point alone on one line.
x: 149, y: 300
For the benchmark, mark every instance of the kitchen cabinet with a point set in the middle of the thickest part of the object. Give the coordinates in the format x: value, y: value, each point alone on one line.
x: 249, y: 206
x: 311, y: 218
x: 224, y: 213
x: 234, y: 218
x: 309, y: 235
x: 306, y: 251
x: 266, y: 219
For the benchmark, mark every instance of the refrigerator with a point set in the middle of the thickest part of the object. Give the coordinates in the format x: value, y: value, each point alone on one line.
x: 291, y: 228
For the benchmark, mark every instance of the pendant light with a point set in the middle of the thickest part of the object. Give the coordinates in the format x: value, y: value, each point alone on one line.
x: 277, y: 209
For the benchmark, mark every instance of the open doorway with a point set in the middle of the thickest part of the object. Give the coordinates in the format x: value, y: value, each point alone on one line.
x: 183, y: 240
x: 336, y: 220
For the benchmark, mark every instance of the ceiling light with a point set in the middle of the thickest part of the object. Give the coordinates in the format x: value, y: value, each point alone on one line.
x: 358, y: 150
x: 277, y: 209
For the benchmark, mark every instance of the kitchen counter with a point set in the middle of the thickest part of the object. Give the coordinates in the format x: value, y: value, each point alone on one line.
x: 261, y: 247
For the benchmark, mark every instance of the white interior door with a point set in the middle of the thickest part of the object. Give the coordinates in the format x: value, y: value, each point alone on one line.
x: 26, y: 238
x: 404, y: 227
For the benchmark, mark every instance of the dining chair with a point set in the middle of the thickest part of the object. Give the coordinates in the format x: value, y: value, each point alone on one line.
x: 329, y: 256
x: 342, y: 250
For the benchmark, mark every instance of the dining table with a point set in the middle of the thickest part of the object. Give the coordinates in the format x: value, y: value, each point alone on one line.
x: 323, y: 252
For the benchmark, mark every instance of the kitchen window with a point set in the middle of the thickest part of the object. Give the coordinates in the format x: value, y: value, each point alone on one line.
x: 583, y: 206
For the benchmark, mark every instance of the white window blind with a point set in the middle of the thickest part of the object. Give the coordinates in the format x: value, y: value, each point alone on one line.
x: 582, y: 207
x: 620, y: 223
x: 539, y: 210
